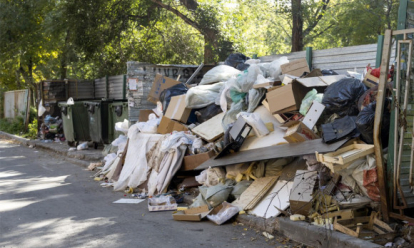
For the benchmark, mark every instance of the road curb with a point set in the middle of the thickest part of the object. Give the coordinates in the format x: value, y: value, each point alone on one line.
x: 72, y: 157
x: 304, y: 232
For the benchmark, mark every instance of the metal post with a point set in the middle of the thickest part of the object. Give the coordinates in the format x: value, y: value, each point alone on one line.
x: 380, y: 44
x: 124, y: 88
x: 309, y: 57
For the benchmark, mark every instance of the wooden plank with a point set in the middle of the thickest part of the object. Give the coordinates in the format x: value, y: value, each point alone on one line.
x: 343, y: 229
x: 210, y: 130
x: 347, y: 154
x: 256, y: 188
x: 383, y: 225
x: 382, y: 177
x: 280, y: 151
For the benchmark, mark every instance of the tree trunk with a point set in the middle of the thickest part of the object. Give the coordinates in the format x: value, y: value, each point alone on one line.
x: 210, y: 46
x: 297, y: 26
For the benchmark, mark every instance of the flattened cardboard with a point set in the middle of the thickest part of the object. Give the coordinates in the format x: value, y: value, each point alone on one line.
x: 167, y: 126
x: 296, y: 67
x: 155, y: 208
x: 177, y: 109
x: 160, y: 83
x: 211, y: 129
x: 298, y: 132
x: 143, y: 115
x: 193, y: 161
x: 192, y: 214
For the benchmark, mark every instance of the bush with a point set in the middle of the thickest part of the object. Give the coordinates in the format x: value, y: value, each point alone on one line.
x: 32, y: 131
x: 15, y: 126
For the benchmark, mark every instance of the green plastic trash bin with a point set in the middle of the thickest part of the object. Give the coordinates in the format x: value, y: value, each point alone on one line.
x: 75, y: 122
x: 98, y: 119
x: 118, y: 112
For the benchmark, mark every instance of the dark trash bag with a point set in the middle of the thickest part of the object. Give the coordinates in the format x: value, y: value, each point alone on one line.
x: 208, y: 112
x: 342, y: 97
x: 329, y: 72
x: 365, y: 123
x: 176, y: 90
x: 237, y: 60
x: 340, y: 129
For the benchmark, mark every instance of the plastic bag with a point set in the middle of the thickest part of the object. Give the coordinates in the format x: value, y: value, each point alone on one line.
x: 255, y: 98
x: 328, y: 72
x: 224, y: 214
x: 252, y: 61
x: 238, y: 88
x: 239, y: 188
x: 176, y: 90
x: 122, y: 126
x: 217, y: 194
x: 274, y: 68
x: 41, y: 109
x: 308, y: 100
x: 149, y: 126
x: 253, y: 119
x: 203, y: 95
x: 207, y: 113
x: 83, y: 146
x: 219, y: 73
x: 342, y: 97
x: 237, y: 60
x: 365, y: 123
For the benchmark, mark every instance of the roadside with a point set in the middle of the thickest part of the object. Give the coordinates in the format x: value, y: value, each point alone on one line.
x: 48, y: 202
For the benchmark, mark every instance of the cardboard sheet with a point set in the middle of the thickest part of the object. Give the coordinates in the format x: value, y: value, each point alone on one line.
x: 211, y: 129
x: 130, y: 201
x: 160, y: 83
x: 176, y: 109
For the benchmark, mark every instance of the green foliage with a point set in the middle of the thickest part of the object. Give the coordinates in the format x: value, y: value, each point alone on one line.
x: 15, y: 126
x: 32, y: 132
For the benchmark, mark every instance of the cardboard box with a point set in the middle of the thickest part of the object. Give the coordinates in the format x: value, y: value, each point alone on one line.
x: 154, y: 207
x: 143, y: 115
x: 298, y: 132
x: 160, y: 83
x: 168, y: 126
x: 369, y: 80
x: 295, y: 68
x: 193, y: 161
x: 289, y: 97
x: 177, y: 109
x: 301, y: 195
x: 192, y: 214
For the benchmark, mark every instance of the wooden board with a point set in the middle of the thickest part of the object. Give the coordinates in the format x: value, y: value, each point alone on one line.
x: 211, y: 129
x: 271, y: 152
x: 254, y: 192
x: 346, y: 155
x: 278, y: 197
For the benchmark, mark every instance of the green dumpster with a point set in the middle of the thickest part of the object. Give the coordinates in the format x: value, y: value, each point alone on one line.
x: 98, y: 119
x: 75, y: 122
x: 118, y: 112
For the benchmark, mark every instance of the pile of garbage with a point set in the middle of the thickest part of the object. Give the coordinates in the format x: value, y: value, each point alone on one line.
x: 265, y: 139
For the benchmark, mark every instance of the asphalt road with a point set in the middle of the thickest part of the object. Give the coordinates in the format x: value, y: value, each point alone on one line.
x: 48, y: 202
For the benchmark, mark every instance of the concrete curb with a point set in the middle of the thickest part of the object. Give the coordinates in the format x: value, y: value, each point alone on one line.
x: 305, y: 233
x: 82, y: 160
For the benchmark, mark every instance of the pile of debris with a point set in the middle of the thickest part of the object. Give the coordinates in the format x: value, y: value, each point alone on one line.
x: 269, y: 139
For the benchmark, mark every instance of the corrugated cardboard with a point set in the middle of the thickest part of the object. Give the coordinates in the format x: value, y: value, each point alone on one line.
x: 176, y: 109
x: 167, y: 126
x: 295, y: 68
x: 192, y: 214
x: 289, y: 98
x: 160, y: 83
x: 298, y: 132
x: 143, y: 114
x: 193, y: 161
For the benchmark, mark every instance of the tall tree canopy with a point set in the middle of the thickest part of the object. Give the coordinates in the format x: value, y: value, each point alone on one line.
x: 87, y: 39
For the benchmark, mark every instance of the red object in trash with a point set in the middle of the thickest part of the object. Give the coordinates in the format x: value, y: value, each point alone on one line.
x: 370, y: 182
x: 377, y: 71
